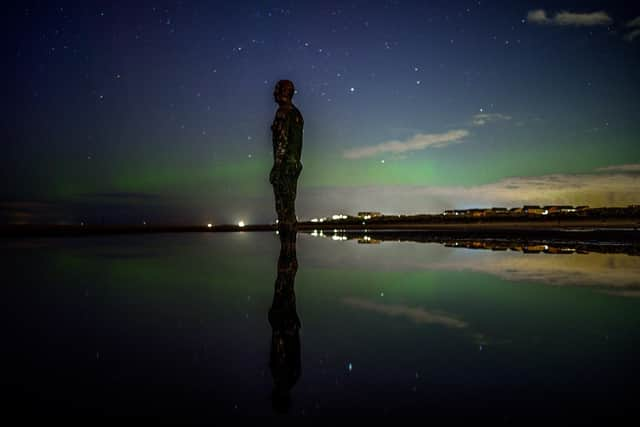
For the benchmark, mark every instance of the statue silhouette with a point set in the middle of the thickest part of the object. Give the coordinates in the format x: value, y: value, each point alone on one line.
x: 286, y: 131
x: 284, y: 359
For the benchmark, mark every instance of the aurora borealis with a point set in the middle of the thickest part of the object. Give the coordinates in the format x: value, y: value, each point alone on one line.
x: 161, y: 110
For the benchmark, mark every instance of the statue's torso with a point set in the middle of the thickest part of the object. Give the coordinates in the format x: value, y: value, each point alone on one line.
x: 287, y: 132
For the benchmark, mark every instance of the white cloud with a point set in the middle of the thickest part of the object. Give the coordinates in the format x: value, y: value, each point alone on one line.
x: 632, y: 35
x: 565, y: 18
x: 417, y: 142
x: 538, y: 16
x: 632, y: 167
x: 484, y: 118
x: 634, y: 23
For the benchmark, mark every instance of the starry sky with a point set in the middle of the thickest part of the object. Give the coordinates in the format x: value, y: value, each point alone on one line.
x: 158, y: 111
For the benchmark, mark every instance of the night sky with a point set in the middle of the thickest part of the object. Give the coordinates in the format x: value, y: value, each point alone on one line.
x: 161, y: 111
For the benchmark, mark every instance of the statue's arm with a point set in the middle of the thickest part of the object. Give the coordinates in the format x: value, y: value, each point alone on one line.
x: 281, y: 134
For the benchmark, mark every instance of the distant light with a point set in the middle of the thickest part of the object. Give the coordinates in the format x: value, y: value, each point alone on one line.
x: 241, y: 224
x: 209, y: 225
x: 352, y: 89
x: 545, y: 212
x: 314, y: 220
x: 350, y: 367
x: 144, y: 222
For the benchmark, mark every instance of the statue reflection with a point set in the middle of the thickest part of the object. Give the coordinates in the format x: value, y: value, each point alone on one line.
x: 284, y: 360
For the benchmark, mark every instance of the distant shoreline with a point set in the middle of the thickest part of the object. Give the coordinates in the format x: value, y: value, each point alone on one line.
x: 618, y: 229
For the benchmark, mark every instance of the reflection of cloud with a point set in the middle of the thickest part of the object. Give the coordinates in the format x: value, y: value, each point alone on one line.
x: 569, y: 18
x: 417, y: 142
x: 598, y: 271
x: 418, y: 315
x: 633, y: 167
x: 484, y: 118
x: 611, y: 271
x: 625, y: 293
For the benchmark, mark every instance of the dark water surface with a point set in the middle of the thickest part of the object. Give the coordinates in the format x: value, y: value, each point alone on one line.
x: 178, y: 326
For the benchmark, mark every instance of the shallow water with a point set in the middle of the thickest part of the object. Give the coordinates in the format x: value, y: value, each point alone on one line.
x: 177, y: 325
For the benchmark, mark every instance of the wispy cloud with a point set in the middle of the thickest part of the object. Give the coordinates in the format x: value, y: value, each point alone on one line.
x: 416, y: 314
x: 484, y: 118
x: 417, y: 142
x: 632, y: 35
x: 635, y: 32
x: 632, y: 167
x: 565, y: 18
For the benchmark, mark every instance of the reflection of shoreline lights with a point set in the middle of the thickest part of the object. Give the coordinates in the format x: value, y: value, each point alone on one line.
x: 336, y: 237
x: 241, y: 224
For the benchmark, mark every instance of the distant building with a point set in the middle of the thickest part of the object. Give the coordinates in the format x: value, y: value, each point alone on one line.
x: 476, y: 212
x: 368, y: 215
x: 552, y: 209
x: 533, y: 210
x: 497, y: 211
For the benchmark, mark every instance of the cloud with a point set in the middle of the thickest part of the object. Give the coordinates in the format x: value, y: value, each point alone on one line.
x: 608, y: 188
x: 632, y: 35
x: 418, y: 314
x: 565, y: 18
x: 417, y: 142
x: 634, y: 23
x: 484, y: 118
x: 632, y: 167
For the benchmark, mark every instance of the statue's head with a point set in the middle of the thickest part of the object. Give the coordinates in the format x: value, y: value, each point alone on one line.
x: 283, y: 92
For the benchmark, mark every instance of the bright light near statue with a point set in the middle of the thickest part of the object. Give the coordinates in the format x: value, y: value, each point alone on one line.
x: 241, y: 224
